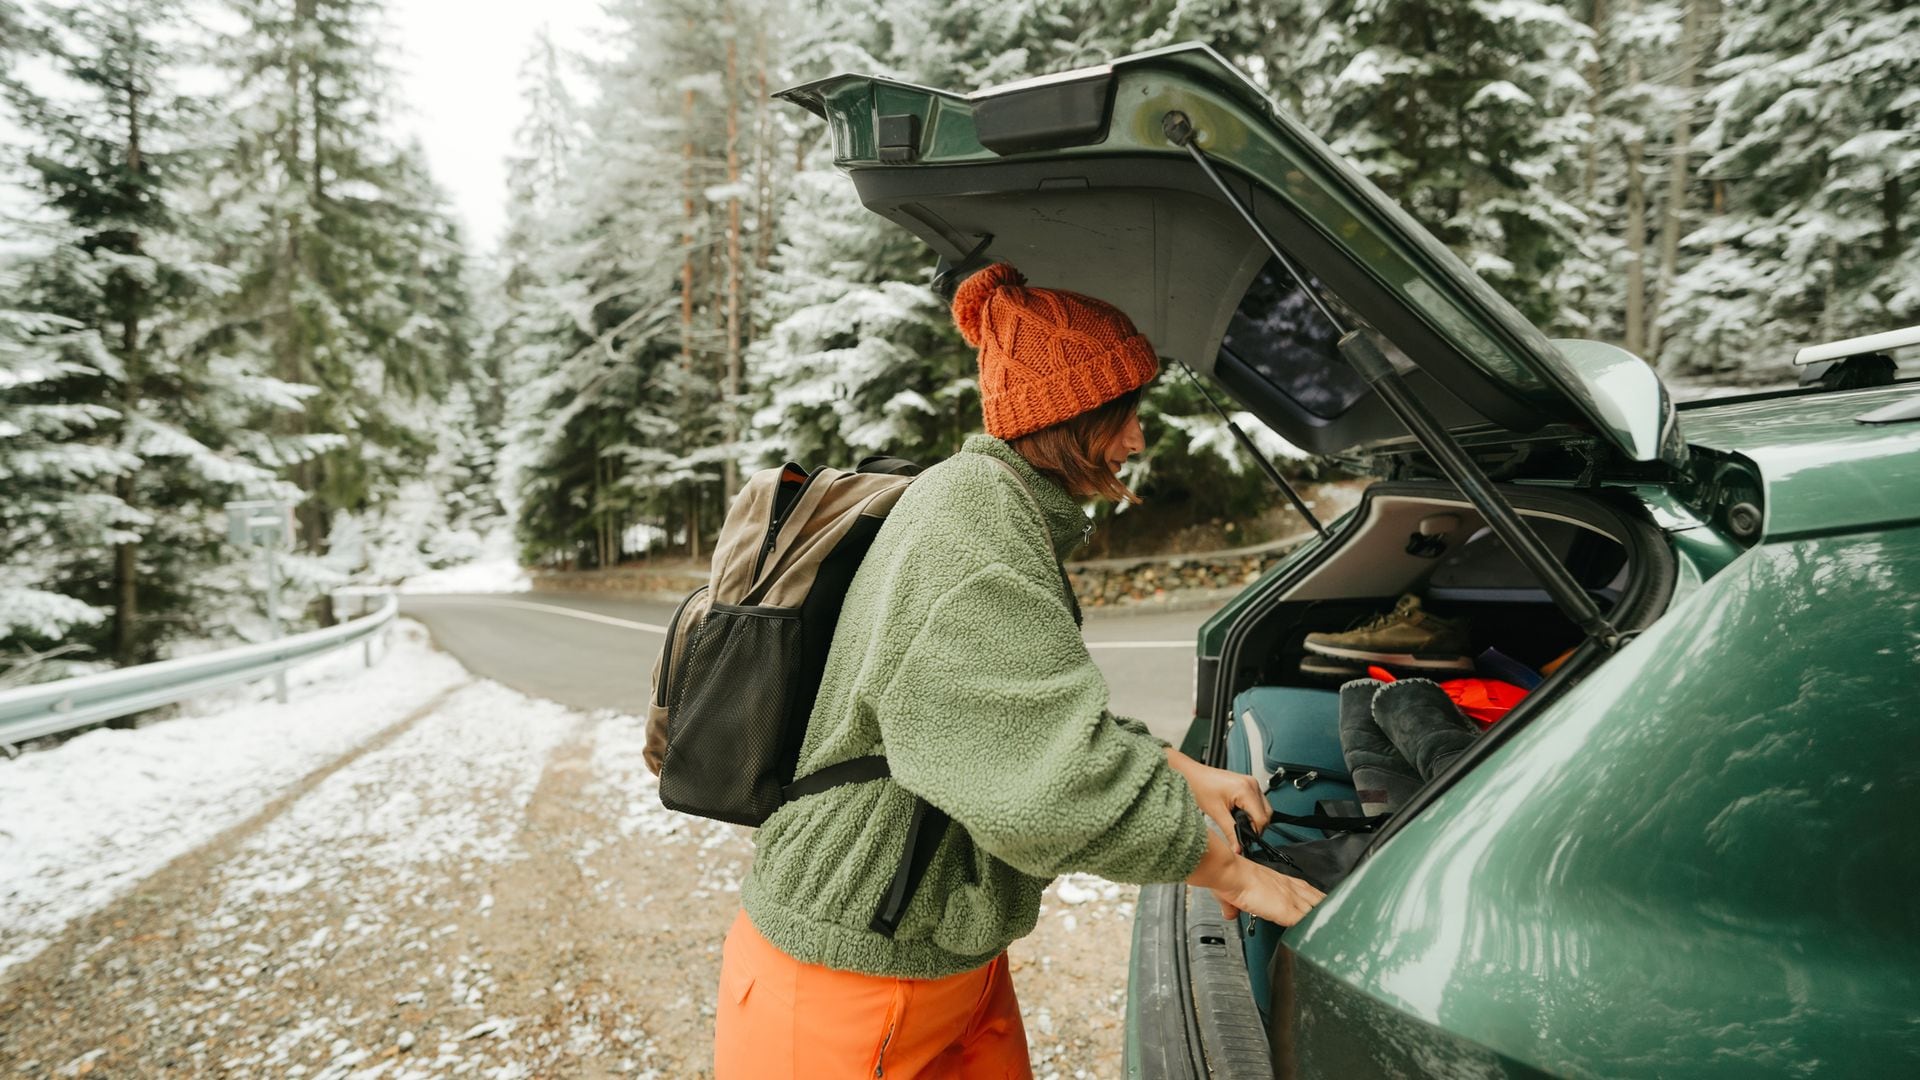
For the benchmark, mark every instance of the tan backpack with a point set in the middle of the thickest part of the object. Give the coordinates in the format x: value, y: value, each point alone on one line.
x: 738, y: 672
x: 737, y: 675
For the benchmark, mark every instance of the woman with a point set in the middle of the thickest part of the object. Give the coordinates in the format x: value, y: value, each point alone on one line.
x: 959, y: 656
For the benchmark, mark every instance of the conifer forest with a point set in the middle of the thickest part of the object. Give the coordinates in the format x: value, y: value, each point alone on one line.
x: 225, y: 274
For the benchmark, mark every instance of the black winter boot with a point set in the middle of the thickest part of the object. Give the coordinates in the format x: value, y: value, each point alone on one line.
x: 1382, y: 776
x: 1424, y: 724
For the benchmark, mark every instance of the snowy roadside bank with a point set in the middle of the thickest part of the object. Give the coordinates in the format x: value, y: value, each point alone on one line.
x: 500, y: 574
x: 83, y: 820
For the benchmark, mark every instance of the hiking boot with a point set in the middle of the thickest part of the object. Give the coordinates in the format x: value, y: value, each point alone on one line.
x: 1406, y: 637
x: 1382, y: 777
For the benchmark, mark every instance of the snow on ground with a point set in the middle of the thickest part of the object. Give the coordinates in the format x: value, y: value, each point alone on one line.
x: 384, y: 838
x: 448, y: 791
x: 495, y: 575
x: 83, y: 820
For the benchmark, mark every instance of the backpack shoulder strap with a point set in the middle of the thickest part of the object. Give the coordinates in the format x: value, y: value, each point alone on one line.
x: 852, y: 771
x: 887, y: 463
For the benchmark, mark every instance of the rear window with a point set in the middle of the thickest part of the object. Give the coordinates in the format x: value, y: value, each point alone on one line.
x: 1279, y: 333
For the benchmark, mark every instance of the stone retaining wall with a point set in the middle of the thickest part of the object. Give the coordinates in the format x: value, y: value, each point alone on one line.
x: 642, y: 580
x: 1188, y: 580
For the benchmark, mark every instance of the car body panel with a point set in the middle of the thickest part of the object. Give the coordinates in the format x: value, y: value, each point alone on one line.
x: 1629, y: 401
x: 1699, y: 550
x: 1822, y: 470
x: 1332, y: 1030
x: 1697, y: 861
x: 1391, y: 272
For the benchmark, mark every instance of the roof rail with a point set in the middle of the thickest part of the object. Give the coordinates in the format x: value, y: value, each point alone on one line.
x: 1871, y: 343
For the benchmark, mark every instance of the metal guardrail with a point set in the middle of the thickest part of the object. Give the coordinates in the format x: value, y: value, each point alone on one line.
x: 29, y: 712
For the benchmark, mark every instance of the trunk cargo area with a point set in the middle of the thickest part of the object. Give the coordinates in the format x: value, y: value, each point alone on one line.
x: 1427, y: 539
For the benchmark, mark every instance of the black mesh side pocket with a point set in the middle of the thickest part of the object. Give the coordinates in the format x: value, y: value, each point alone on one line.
x: 729, y: 744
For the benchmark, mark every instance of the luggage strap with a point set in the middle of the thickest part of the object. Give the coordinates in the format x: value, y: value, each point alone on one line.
x: 924, y: 832
x: 1330, y: 822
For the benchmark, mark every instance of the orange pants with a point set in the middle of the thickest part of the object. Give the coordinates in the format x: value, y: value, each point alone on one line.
x: 782, y: 1019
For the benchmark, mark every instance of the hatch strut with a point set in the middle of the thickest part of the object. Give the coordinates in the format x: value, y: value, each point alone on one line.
x: 1360, y: 350
x: 1246, y: 443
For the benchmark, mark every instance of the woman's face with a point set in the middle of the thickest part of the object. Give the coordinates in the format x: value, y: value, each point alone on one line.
x: 1130, y: 441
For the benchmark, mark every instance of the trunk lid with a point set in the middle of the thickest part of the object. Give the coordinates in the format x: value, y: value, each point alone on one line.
x: 1072, y: 178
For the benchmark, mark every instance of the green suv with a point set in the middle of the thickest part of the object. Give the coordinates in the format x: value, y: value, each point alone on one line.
x: 1688, y: 852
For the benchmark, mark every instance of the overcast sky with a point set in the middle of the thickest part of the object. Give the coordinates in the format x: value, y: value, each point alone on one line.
x: 460, y: 64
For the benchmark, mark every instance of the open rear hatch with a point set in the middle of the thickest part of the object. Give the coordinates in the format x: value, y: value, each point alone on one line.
x: 1074, y: 179
x: 1244, y: 247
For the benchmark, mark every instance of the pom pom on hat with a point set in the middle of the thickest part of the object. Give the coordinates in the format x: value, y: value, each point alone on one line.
x: 970, y: 299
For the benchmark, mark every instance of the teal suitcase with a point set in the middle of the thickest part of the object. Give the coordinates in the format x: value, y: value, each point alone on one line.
x: 1295, y: 733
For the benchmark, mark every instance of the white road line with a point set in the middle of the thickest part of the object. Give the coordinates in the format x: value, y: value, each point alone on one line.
x: 571, y: 613
x: 594, y: 616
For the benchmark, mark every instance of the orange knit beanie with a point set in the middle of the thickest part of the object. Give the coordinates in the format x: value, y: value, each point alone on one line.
x: 1046, y: 354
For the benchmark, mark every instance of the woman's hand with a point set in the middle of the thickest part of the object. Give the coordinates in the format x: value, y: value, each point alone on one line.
x: 1267, y: 893
x: 1240, y: 884
x: 1218, y: 791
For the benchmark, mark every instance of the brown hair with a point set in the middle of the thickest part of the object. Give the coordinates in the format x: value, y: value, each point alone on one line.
x: 1073, y: 451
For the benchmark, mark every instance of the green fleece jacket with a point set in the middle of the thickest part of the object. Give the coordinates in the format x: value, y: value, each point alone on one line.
x: 958, y: 656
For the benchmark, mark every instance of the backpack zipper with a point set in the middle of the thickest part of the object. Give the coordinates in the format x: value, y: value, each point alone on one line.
x: 666, y: 655
x: 773, y: 527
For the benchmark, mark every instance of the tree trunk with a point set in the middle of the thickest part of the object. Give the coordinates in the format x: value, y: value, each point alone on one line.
x: 126, y: 557
x: 1679, y: 172
x: 1892, y: 199
x: 1635, y: 318
x: 317, y: 511
x: 688, y: 208
x: 730, y: 383
x: 1893, y: 203
x: 763, y: 155
x: 693, y: 522
x: 1634, y: 333
x: 1595, y: 74
x: 613, y: 515
x: 1830, y: 294
x: 126, y: 588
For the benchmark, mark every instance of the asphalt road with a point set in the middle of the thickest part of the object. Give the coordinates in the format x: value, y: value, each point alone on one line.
x: 594, y: 652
